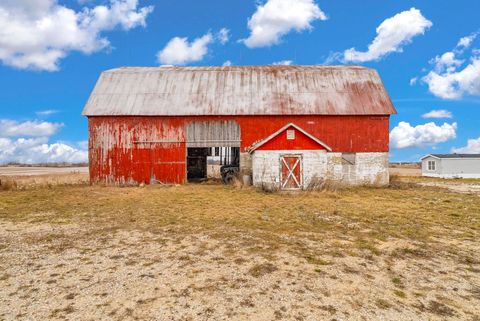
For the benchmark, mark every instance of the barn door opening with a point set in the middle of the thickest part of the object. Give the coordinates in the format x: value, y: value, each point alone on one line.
x: 222, y: 158
x: 291, y: 172
x: 213, y: 149
x: 197, y: 164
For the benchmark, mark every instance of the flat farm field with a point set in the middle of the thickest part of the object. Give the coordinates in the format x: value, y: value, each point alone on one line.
x: 212, y: 252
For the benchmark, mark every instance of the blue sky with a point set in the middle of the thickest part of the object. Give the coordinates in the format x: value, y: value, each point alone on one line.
x: 46, y: 79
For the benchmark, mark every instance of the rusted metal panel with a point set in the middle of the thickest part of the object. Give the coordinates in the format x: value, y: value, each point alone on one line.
x: 135, y: 149
x: 239, y: 90
x: 218, y: 133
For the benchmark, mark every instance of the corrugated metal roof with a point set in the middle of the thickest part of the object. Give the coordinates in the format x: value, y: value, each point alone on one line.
x: 454, y: 155
x: 240, y: 90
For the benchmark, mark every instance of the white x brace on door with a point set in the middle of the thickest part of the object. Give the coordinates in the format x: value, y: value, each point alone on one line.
x: 291, y: 172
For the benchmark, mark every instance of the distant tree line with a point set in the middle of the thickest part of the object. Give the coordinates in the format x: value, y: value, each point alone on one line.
x: 46, y: 164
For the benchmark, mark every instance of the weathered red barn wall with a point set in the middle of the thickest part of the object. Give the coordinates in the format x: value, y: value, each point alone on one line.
x: 300, y: 142
x: 115, y: 157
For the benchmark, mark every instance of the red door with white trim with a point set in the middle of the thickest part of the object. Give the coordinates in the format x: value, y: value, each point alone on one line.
x: 291, y: 172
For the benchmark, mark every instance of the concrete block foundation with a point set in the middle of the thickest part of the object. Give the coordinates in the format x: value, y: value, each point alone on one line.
x: 320, y: 166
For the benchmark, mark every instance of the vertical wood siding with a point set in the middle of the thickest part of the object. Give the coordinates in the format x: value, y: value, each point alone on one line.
x: 133, y: 149
x: 225, y: 133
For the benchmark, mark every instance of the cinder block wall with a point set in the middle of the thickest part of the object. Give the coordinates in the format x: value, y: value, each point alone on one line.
x: 368, y: 169
x: 246, y: 164
x: 266, y: 166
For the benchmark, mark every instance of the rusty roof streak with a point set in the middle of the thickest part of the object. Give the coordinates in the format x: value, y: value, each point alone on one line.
x: 239, y: 90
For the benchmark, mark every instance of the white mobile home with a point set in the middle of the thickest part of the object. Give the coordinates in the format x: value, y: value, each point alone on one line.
x: 451, y: 165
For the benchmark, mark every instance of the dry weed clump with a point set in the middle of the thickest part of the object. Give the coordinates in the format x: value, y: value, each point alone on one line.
x: 399, y: 182
x: 237, y: 183
x: 260, y: 270
x: 316, y: 183
x: 269, y: 188
x: 7, y: 184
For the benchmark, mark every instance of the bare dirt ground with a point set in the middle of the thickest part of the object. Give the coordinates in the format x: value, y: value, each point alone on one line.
x: 459, y: 188
x: 414, y: 175
x: 467, y: 186
x: 211, y: 252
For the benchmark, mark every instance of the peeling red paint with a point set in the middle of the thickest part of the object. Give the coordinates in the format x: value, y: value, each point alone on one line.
x: 132, y: 149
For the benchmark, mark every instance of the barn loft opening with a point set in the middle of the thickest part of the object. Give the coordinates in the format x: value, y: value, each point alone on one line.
x: 213, y: 150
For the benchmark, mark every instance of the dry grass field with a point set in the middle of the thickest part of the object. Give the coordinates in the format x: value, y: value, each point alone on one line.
x: 212, y: 252
x: 17, y: 177
x: 405, y: 171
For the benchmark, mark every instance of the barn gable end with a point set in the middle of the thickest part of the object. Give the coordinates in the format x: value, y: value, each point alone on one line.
x: 290, y: 137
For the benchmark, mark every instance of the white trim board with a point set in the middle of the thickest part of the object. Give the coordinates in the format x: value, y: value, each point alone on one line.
x: 278, y: 132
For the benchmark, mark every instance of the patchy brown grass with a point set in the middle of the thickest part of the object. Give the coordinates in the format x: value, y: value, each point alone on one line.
x: 260, y: 270
x: 239, y: 252
x: 366, y: 214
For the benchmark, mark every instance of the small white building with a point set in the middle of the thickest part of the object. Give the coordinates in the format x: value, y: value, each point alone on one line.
x: 451, y: 165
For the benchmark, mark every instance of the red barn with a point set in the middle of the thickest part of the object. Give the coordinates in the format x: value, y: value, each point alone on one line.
x: 149, y: 124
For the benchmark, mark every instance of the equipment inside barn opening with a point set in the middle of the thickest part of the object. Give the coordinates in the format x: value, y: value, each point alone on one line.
x: 224, y: 163
x: 284, y: 127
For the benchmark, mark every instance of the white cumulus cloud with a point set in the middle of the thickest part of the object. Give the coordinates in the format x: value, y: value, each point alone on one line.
x: 456, y: 84
x: 83, y: 144
x: 473, y: 147
x: 447, y: 62
x: 438, y: 113
x: 466, y: 41
x: 27, y: 143
x: 179, y: 51
x: 38, y: 151
x: 392, y: 35
x: 405, y: 135
x: 283, y: 63
x: 227, y: 63
x: 275, y: 18
x: 12, y: 128
x: 37, y: 34
x: 453, y: 77
x: 223, y: 35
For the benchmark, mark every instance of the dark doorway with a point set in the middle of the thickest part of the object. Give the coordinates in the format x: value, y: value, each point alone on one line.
x: 197, y: 164
x: 219, y: 140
